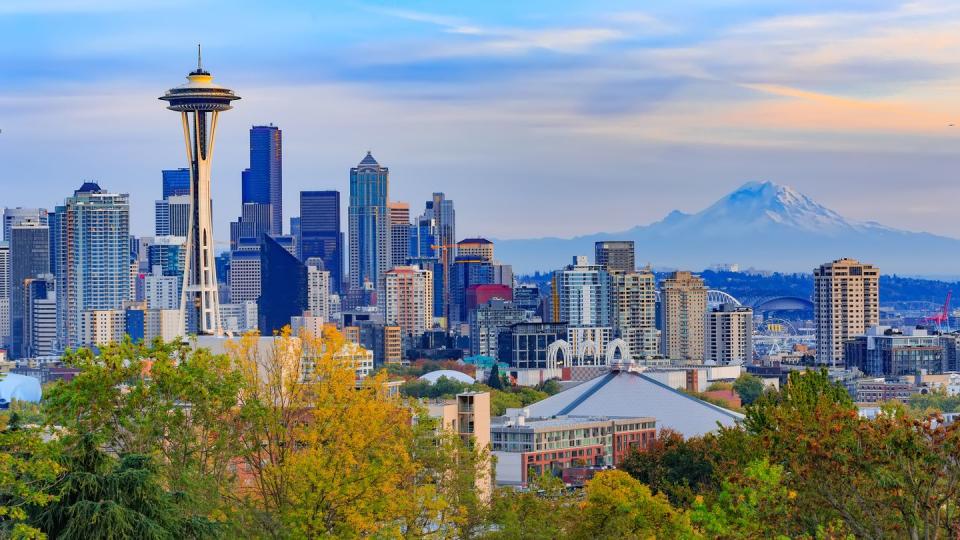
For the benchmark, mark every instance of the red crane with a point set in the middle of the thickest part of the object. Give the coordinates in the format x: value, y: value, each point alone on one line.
x: 941, y: 319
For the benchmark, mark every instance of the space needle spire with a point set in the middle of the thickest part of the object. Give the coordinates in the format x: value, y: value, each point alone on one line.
x: 199, y: 102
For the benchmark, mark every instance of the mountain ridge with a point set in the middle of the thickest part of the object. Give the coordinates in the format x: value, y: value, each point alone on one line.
x: 760, y: 224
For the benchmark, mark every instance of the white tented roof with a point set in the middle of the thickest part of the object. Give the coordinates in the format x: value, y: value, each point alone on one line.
x: 448, y: 373
x: 629, y: 393
x: 20, y: 387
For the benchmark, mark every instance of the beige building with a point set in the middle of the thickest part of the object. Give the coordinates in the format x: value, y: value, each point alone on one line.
x: 728, y: 335
x: 101, y: 327
x: 846, y: 301
x: 683, y: 298
x: 392, y: 345
x: 635, y: 312
x: 408, y: 299
x: 468, y: 415
x: 475, y: 247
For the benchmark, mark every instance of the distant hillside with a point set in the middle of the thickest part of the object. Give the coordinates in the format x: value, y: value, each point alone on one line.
x: 760, y: 225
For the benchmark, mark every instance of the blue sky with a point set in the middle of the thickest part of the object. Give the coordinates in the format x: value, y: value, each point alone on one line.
x: 537, y: 118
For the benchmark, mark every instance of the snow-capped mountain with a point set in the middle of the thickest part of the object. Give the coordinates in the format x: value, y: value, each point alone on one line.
x: 761, y: 224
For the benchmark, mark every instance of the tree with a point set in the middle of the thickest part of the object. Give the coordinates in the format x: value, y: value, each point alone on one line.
x: 161, y: 400
x: 320, y: 456
x: 28, y: 467
x: 99, y: 496
x: 493, y: 380
x: 748, y: 387
x: 541, y: 512
x: 680, y: 469
x: 617, y: 506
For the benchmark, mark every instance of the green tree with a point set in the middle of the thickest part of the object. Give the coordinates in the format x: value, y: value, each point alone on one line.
x: 98, y: 496
x: 28, y: 467
x: 542, y: 512
x: 679, y: 468
x: 618, y: 506
x: 755, y: 506
x: 748, y: 387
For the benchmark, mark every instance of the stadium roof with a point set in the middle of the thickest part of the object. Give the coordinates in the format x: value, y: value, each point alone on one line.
x: 631, y: 393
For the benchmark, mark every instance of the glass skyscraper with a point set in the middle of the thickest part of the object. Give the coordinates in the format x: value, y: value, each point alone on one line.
x: 176, y: 182
x: 320, y: 234
x: 369, y: 223
x: 93, y: 255
x: 262, y: 183
x: 283, y: 286
x: 29, y: 258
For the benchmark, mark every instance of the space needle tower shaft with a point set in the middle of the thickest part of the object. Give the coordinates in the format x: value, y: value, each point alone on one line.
x: 199, y: 102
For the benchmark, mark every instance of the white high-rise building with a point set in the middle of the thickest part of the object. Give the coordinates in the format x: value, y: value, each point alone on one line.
x: 99, y: 327
x: 200, y: 103
x: 582, y: 294
x: 846, y: 301
x: 160, y: 291
x: 318, y: 289
x: 239, y: 318
x: 409, y: 299
x: 244, y: 275
x: 728, y: 335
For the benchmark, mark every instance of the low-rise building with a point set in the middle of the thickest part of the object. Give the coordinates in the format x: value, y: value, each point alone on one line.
x: 549, y: 445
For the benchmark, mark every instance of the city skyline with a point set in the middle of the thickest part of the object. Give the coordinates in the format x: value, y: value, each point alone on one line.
x: 445, y: 87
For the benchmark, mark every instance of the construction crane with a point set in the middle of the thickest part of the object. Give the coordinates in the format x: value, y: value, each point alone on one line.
x: 941, y: 319
x: 445, y: 262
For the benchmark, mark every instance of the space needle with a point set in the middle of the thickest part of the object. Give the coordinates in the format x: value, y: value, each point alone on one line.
x: 199, y: 103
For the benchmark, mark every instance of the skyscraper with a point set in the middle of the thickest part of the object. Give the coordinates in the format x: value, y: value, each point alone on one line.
x: 440, y: 211
x: 200, y: 103
x: 582, y: 294
x: 176, y: 182
x: 683, y: 298
x: 320, y: 233
x: 94, y: 251
x: 467, y: 271
x: 635, y: 312
x: 399, y: 233
x: 29, y: 258
x: 846, y: 301
x: 263, y: 182
x: 4, y: 295
x: 283, y: 286
x: 479, y: 247
x: 728, y: 335
x: 318, y: 289
x: 40, y: 322
x: 172, y: 216
x: 423, y: 236
x: 369, y: 224
x: 617, y: 256
x: 409, y: 300
x: 15, y: 216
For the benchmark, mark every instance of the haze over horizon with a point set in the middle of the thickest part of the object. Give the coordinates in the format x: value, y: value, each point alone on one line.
x: 536, y: 121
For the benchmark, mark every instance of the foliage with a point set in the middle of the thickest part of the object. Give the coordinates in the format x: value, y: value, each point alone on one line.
x: 936, y: 401
x: 494, y: 381
x: 541, y: 512
x: 753, y: 506
x: 444, y: 387
x: 748, y: 387
x: 617, y: 506
x: 28, y: 467
x: 680, y: 469
x: 99, y: 496
x: 549, y: 387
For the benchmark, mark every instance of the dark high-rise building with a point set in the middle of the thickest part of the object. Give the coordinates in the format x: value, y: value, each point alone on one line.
x: 176, y: 182
x: 29, y: 258
x: 320, y: 234
x: 524, y: 345
x: 399, y: 233
x: 263, y: 181
x: 439, y: 210
x: 283, y: 286
x: 616, y: 256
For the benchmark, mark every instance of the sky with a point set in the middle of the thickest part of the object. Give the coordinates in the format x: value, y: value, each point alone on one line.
x: 538, y: 118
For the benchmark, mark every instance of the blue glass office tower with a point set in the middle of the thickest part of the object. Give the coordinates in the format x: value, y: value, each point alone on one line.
x: 283, y: 286
x: 423, y: 236
x: 467, y: 270
x: 29, y: 258
x: 320, y: 234
x: 369, y: 223
x: 262, y: 183
x: 175, y: 182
